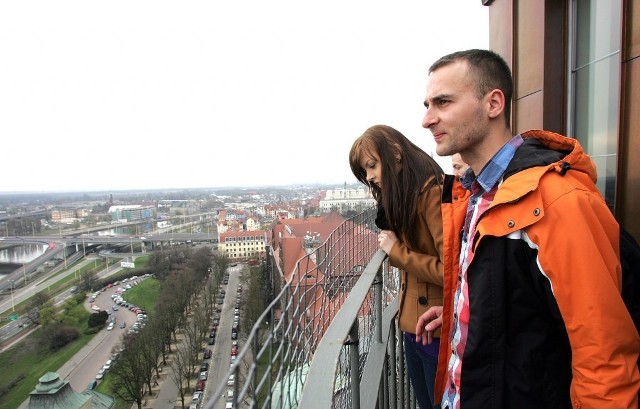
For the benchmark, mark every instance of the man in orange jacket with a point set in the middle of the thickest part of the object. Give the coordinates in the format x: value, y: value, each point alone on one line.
x: 532, y: 303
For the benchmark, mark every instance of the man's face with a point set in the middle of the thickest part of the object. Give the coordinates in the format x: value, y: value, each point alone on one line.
x: 455, y: 116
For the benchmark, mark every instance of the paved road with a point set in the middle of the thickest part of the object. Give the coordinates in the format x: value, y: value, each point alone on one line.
x: 84, y: 365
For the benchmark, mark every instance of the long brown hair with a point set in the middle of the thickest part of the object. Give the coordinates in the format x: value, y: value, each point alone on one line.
x: 405, y: 170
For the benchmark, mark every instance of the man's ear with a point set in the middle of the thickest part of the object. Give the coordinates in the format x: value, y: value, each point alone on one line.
x: 495, y: 103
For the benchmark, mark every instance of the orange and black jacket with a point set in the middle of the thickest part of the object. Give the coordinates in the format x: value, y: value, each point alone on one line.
x: 548, y: 327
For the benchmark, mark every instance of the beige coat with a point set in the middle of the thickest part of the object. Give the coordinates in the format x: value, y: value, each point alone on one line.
x: 421, y: 276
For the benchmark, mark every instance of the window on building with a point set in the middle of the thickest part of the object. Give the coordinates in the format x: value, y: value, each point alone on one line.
x: 595, y: 85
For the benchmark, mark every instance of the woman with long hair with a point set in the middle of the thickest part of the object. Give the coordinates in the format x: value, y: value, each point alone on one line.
x: 407, y: 184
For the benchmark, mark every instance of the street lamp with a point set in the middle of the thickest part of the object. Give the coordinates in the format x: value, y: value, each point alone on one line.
x: 12, y: 306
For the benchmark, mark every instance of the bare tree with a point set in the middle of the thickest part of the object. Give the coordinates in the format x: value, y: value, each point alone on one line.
x: 181, y: 373
x: 150, y: 352
x: 128, y: 374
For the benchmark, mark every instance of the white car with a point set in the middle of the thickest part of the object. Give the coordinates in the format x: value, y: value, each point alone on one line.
x: 100, y: 374
x: 110, y: 326
x: 232, y: 380
x: 107, y: 365
x: 195, y: 399
x: 95, y: 308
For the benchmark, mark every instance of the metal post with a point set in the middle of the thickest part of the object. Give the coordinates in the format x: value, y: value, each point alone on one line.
x: 402, y: 396
x: 393, y: 391
x: 378, y: 306
x: 354, y: 361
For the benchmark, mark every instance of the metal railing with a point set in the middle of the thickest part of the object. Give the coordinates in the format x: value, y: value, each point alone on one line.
x: 335, y: 344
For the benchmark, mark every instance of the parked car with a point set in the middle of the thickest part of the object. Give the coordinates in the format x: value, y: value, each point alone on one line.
x: 200, y: 385
x: 204, y: 366
x: 207, y: 353
x: 123, y: 324
x: 195, y: 400
x: 232, y: 379
x: 110, y: 326
x: 204, y: 375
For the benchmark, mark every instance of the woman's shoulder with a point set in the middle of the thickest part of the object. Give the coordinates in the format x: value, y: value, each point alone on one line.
x: 430, y: 187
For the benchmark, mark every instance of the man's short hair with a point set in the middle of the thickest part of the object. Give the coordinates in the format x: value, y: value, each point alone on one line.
x: 491, y: 72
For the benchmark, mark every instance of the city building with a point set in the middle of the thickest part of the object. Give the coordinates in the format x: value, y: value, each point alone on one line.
x: 69, y: 214
x: 128, y: 213
x: 53, y: 392
x: 178, y: 206
x: 576, y: 68
x: 346, y: 199
x: 292, y: 239
x: 243, y: 245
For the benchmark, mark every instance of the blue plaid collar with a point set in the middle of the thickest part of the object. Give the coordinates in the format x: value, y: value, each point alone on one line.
x: 493, y: 171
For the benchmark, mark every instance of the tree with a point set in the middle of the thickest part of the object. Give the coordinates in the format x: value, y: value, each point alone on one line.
x: 88, y: 280
x: 180, y: 372
x: 150, y: 352
x: 56, y: 336
x: 127, y: 376
x: 97, y: 319
x: 34, y: 309
x: 200, y: 261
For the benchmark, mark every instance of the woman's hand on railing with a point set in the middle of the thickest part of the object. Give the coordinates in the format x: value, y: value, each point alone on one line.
x: 386, y: 238
x: 428, y: 322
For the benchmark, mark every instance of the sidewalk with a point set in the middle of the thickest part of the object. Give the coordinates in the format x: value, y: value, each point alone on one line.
x: 164, y: 393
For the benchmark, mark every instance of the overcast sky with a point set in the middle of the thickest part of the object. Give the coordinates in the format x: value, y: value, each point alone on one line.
x: 165, y: 94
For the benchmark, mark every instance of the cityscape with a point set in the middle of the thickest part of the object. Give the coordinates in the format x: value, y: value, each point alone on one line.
x: 91, y: 246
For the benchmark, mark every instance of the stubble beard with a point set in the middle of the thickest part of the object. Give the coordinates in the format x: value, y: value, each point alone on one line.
x: 468, y: 137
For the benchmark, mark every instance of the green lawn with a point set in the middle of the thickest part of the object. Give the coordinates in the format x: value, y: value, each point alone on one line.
x: 25, y: 363
x: 144, y: 295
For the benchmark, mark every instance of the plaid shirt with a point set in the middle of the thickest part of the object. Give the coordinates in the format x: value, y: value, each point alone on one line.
x: 483, y: 189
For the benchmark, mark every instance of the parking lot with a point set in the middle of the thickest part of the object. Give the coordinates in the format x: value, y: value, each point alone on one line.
x: 87, y: 368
